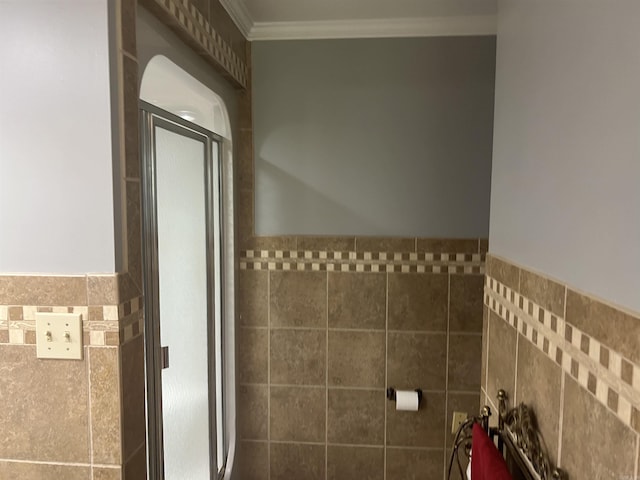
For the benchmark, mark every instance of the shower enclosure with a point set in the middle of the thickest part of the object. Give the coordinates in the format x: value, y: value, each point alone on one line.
x: 183, y: 300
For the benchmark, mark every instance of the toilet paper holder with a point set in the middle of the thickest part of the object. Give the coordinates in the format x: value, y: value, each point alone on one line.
x: 391, y: 394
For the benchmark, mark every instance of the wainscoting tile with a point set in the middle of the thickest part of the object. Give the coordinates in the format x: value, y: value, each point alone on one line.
x: 423, y: 428
x: 594, y: 442
x: 347, y: 463
x: 465, y: 304
x: 546, y: 293
x: 253, y: 297
x: 503, y: 272
x: 295, y: 461
x: 502, y: 352
x: 298, y: 299
x: 40, y: 471
x: 416, y: 360
x: 356, y: 416
x: 298, y: 357
x: 298, y: 414
x: 356, y: 359
x: 254, y: 463
x: 418, y: 302
x: 414, y: 464
x: 464, y: 368
x: 253, y: 357
x: 357, y: 300
x: 253, y: 401
x: 538, y: 385
x: 447, y: 245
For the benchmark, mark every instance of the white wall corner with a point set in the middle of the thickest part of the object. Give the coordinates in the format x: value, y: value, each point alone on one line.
x: 397, y: 27
x: 240, y: 15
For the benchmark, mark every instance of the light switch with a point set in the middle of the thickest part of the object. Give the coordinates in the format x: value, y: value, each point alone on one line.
x: 59, y: 335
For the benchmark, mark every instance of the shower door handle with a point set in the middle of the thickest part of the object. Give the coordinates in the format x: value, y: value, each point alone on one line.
x: 164, y: 357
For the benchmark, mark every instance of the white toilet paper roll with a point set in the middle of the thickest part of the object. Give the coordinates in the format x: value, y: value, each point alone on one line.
x: 407, y: 400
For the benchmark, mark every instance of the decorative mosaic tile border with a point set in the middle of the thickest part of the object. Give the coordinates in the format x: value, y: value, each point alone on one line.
x: 351, y: 261
x: 185, y: 14
x: 106, y: 325
x: 611, y: 378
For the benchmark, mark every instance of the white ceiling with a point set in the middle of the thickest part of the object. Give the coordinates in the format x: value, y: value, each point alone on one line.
x: 288, y: 19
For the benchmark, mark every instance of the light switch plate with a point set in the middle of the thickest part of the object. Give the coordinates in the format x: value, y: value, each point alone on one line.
x: 59, y: 335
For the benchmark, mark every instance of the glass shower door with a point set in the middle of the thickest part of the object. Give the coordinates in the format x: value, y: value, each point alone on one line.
x: 183, y: 293
x: 182, y: 301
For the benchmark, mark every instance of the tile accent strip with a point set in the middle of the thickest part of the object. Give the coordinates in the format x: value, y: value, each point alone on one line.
x: 184, y: 16
x: 106, y: 325
x: 611, y: 378
x: 351, y: 261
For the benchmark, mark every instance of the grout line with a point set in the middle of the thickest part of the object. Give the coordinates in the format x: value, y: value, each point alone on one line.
x: 561, y: 418
x: 446, y: 371
x: 61, y: 464
x: 326, y: 383
x: 386, y: 371
x: 269, y: 376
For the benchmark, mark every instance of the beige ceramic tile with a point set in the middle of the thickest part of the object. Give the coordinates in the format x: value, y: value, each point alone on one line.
x: 546, y: 293
x: 133, y: 395
x: 485, y: 340
x: 43, y: 290
x: 39, y: 471
x: 130, y: 88
x: 464, y: 367
x: 104, y: 473
x: 253, y: 355
x: 245, y: 209
x: 501, y: 357
x: 128, y: 28
x: 416, y: 360
x: 503, y: 272
x: 601, y: 447
x: 298, y: 414
x: 330, y: 244
x: 423, y: 428
x: 134, y: 231
x: 347, y: 463
x: 102, y: 290
x: 414, y: 464
x: 357, y: 300
x: 298, y: 357
x: 298, y: 299
x: 253, y: 401
x: 45, y: 407
x: 465, y: 304
x: 357, y: 359
x: 538, y: 385
x: 447, y: 245
x: 105, y: 405
x: 614, y: 328
x: 356, y: 416
x: 252, y: 461
x: 484, y: 245
x: 385, y: 244
x: 418, y: 302
x: 253, y: 297
x: 274, y: 243
x: 290, y: 460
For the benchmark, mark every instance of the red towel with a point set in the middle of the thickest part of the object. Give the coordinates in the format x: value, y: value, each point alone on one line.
x: 486, y: 461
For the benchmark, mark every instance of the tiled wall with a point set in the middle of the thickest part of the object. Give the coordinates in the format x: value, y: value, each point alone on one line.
x: 575, y: 359
x: 326, y: 324
x: 71, y: 418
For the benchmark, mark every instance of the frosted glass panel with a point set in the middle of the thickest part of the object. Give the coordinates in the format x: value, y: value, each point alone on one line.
x: 182, y: 264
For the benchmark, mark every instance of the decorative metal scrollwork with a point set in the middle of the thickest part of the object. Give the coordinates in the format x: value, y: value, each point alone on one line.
x: 518, y: 432
x: 520, y: 423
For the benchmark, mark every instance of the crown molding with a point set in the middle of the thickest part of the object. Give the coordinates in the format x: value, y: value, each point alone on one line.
x: 399, y: 27
x: 240, y: 15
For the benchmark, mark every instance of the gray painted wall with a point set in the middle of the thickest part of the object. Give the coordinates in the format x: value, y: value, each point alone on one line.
x: 56, y: 183
x: 374, y: 136
x: 566, y: 167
